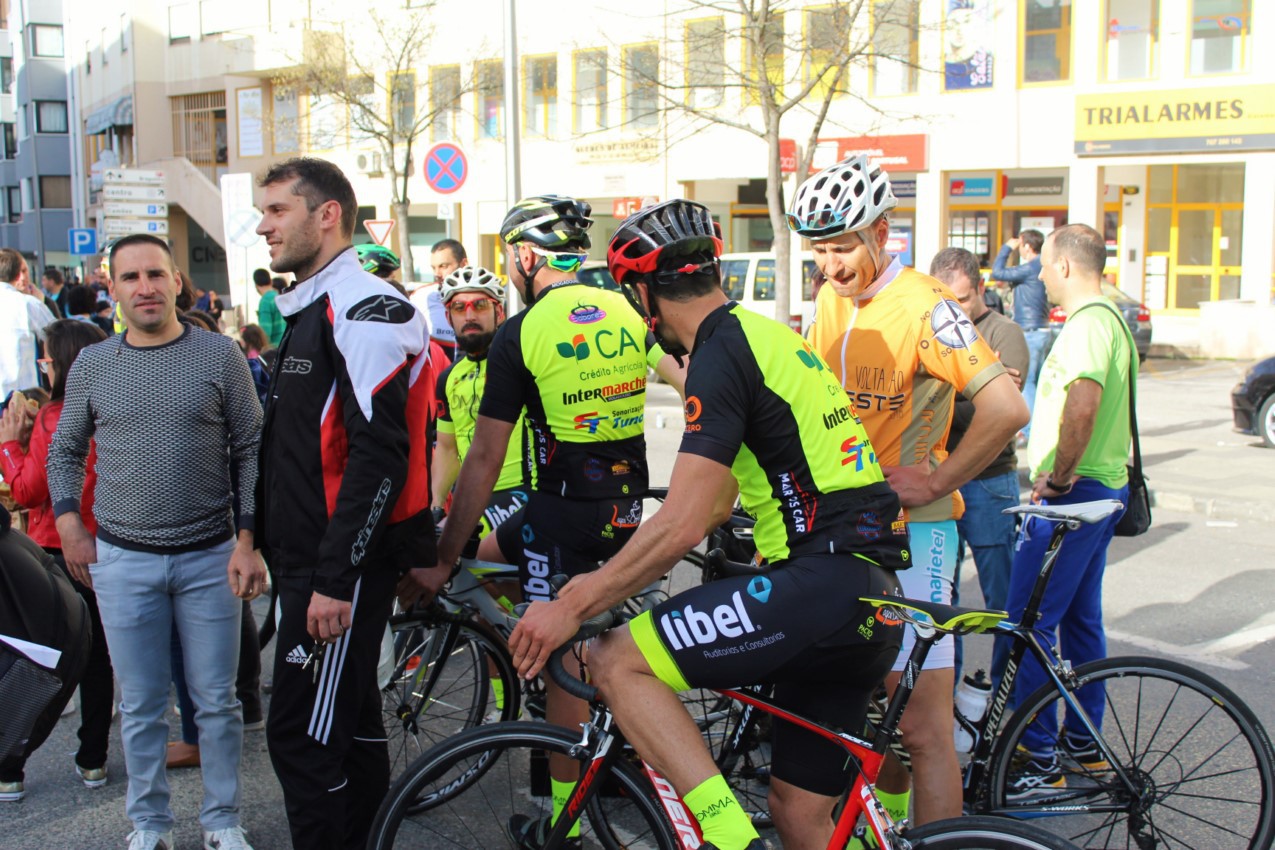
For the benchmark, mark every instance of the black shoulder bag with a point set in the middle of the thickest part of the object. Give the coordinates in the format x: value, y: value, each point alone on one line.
x: 1136, y: 518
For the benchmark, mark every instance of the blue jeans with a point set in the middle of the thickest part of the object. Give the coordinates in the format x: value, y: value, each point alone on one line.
x: 141, y: 595
x: 990, y: 535
x: 1071, y: 611
x: 1036, y: 342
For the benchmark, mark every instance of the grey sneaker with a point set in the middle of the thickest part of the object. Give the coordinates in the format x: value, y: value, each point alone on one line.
x: 94, y: 778
x: 12, y: 792
x: 147, y: 839
x: 230, y: 838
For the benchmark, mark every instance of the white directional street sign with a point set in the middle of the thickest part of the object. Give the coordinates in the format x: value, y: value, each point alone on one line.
x: 127, y: 209
x: 127, y: 192
x: 125, y: 226
x: 134, y: 175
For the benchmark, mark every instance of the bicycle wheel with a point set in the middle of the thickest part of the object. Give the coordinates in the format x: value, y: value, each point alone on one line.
x: 983, y: 833
x: 463, y: 793
x: 1198, y: 761
x: 459, y: 658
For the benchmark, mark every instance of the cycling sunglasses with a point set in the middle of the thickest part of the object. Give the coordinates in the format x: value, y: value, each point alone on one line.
x: 825, y: 222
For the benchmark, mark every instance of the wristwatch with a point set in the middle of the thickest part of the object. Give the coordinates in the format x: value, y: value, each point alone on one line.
x: 1049, y: 482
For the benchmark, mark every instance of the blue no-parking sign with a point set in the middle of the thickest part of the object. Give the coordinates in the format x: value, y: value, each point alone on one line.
x: 83, y: 241
x: 445, y: 168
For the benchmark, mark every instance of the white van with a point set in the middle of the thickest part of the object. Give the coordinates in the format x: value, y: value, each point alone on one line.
x: 750, y: 279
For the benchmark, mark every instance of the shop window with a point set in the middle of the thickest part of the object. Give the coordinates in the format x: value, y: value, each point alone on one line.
x: 641, y: 86
x: 1219, y: 36
x: 896, y: 25
x: 1133, y: 27
x: 768, y: 37
x: 972, y: 230
x: 1210, y: 184
x: 1046, y: 47
x: 591, y: 90
x: 6, y: 74
x: 444, y: 102
x: 490, y: 89
x: 540, y: 77
x: 827, y: 45
x: 705, y: 63
x: 10, y: 140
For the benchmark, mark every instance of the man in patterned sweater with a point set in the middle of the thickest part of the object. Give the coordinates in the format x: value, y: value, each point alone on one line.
x: 172, y: 409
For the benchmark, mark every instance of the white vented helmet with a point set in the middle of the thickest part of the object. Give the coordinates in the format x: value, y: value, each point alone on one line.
x: 471, y: 279
x: 842, y: 198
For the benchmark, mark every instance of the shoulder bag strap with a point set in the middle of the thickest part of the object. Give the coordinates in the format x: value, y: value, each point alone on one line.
x: 1133, y: 370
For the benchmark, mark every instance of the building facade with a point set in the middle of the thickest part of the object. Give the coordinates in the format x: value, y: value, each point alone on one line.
x: 35, y: 146
x: 1153, y: 120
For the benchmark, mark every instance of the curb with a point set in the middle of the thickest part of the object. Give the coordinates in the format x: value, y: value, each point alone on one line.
x: 1211, y: 507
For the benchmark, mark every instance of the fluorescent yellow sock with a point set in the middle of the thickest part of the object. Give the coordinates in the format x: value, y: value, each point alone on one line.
x: 720, y: 817
x: 498, y: 688
x: 896, y: 805
x: 562, y: 793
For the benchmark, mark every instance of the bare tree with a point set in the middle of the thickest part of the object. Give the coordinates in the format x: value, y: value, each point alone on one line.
x: 795, y: 64
x: 374, y: 64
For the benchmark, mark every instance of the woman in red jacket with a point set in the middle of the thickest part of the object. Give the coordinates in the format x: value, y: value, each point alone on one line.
x: 24, y: 448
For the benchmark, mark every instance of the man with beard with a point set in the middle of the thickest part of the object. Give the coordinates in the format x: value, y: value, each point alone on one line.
x: 344, y: 500
x: 475, y: 302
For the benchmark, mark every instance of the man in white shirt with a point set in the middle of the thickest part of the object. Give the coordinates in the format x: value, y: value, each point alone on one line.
x: 22, y: 323
x: 445, y: 257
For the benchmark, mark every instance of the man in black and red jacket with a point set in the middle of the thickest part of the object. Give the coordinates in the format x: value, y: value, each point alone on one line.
x: 344, y: 501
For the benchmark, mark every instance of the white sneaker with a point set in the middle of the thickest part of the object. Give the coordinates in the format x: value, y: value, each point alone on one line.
x: 146, y: 839
x: 230, y: 838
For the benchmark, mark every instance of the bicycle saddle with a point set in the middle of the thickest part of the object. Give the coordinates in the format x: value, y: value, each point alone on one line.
x: 1087, y: 512
x: 944, y: 618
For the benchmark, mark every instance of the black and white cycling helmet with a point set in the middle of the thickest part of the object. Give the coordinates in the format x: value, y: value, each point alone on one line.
x: 471, y: 279
x: 843, y: 198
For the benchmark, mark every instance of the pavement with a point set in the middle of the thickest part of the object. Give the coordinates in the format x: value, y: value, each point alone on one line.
x: 1193, y: 459
x: 1213, y: 491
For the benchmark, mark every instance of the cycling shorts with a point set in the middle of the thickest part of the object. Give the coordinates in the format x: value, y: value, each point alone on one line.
x: 553, y: 535
x: 800, y: 628
x: 502, y: 506
x: 934, y: 555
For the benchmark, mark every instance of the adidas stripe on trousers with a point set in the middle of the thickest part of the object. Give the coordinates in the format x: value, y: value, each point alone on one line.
x: 325, y: 732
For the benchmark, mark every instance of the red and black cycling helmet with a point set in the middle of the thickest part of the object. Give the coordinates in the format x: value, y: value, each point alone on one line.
x: 654, y: 238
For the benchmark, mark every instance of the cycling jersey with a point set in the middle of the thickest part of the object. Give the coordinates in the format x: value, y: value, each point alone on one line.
x: 760, y: 401
x: 576, y: 360
x: 902, y: 354
x: 460, y: 391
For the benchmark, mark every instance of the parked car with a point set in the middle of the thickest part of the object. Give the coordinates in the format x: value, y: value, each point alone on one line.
x: 596, y: 273
x: 749, y: 278
x: 1136, y: 316
x: 1253, y: 401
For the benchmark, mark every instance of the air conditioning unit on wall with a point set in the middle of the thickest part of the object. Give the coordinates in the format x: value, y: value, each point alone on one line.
x: 368, y: 162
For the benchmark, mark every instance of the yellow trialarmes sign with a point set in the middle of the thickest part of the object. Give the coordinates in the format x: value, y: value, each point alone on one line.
x: 1177, y: 121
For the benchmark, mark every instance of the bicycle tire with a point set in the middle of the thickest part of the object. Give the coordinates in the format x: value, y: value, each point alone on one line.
x: 983, y: 833
x: 415, y: 719
x: 1198, y: 756
x: 462, y: 793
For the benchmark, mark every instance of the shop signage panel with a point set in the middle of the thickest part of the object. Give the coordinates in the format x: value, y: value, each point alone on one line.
x: 1176, y: 121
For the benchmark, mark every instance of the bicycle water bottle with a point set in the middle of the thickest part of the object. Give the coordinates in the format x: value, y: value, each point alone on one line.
x: 972, y: 696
